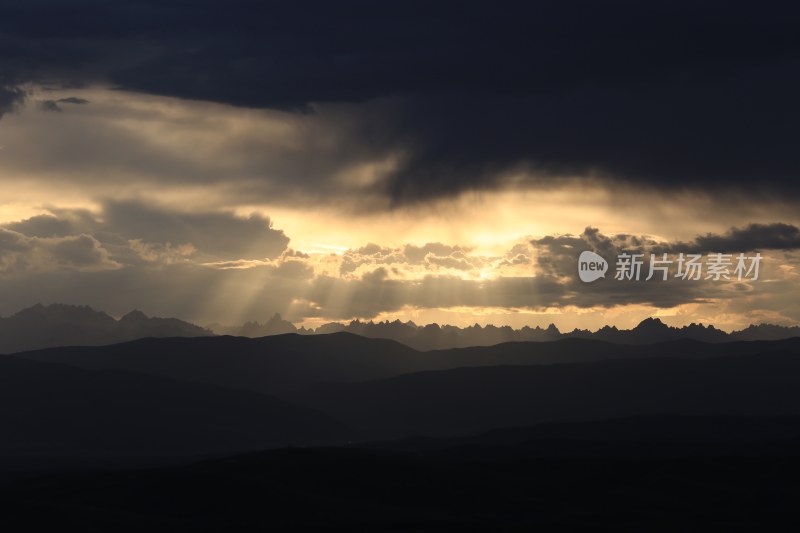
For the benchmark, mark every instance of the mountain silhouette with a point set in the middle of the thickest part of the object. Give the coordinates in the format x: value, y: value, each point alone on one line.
x: 574, y: 434
x: 450, y: 489
x: 43, y: 326
x: 274, y: 326
x: 265, y: 364
x: 471, y: 399
x: 436, y: 337
x: 55, y: 410
x: 650, y: 435
x: 67, y: 325
x: 385, y: 389
x: 284, y: 362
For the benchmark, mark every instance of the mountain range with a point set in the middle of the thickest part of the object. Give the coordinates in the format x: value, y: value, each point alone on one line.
x: 343, y: 432
x: 43, y: 326
x: 67, y: 325
x: 434, y: 336
x: 384, y: 389
x: 650, y: 330
x: 279, y: 363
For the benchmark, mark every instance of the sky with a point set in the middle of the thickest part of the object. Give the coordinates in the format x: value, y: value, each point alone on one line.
x: 429, y: 161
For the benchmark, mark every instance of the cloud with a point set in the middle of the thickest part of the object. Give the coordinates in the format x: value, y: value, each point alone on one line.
x: 428, y: 257
x: 43, y: 226
x: 21, y: 255
x: 451, y: 262
x: 128, y: 143
x: 10, y: 98
x: 50, y: 105
x: 219, y: 234
x: 557, y: 258
x: 53, y: 258
x: 82, y: 251
x: 293, y: 269
x: 777, y: 236
x: 376, y: 276
x: 536, y: 92
x: 198, y: 114
x: 542, y: 274
x: 135, y: 232
x: 73, y: 100
x: 418, y: 254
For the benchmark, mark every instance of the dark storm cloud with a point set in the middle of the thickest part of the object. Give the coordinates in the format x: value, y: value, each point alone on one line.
x: 753, y: 237
x: 670, y: 94
x: 10, y: 97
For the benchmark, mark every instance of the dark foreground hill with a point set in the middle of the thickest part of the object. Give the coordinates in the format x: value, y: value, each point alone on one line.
x: 384, y: 389
x: 284, y: 362
x: 562, y: 465
x: 467, y: 400
x: 54, y: 410
x: 643, y: 436
x: 266, y: 364
x: 350, y: 489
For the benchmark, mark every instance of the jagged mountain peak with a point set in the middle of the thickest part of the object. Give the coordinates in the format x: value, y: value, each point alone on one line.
x: 45, y: 326
x: 651, y: 323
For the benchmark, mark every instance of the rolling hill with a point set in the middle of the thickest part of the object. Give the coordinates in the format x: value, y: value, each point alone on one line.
x: 472, y: 399
x: 54, y: 410
x: 284, y: 362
